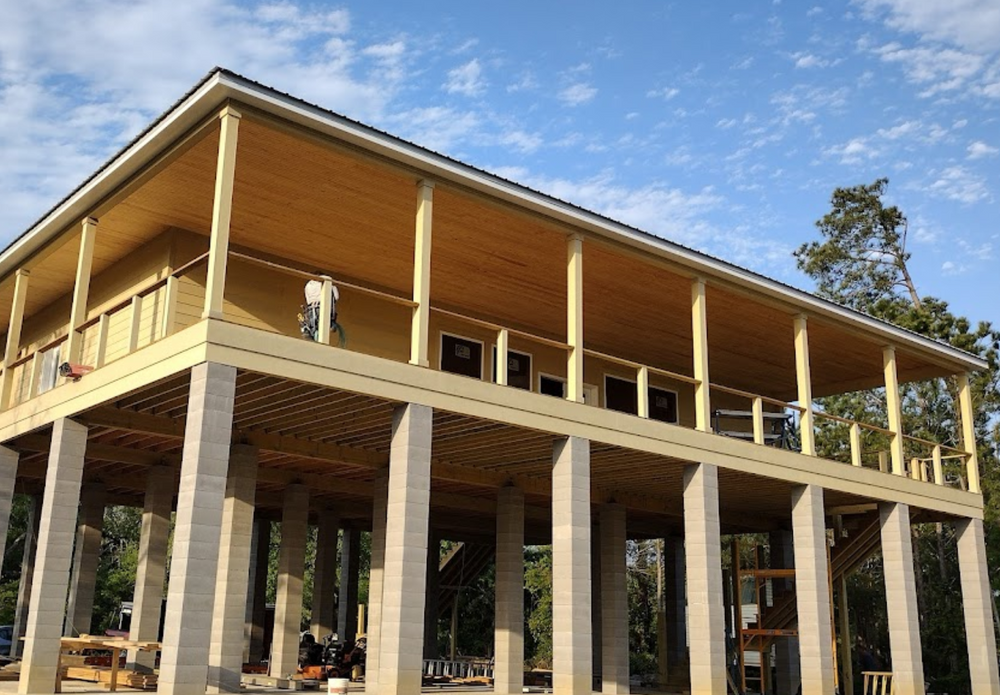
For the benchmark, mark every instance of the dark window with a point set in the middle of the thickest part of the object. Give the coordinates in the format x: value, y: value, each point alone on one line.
x: 551, y: 386
x: 662, y: 405
x: 461, y: 356
x: 620, y: 395
x: 518, y: 369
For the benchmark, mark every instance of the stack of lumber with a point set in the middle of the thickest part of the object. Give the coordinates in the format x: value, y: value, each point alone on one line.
x: 100, y: 674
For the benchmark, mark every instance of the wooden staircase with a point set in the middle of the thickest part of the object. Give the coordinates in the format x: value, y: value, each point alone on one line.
x: 459, y: 569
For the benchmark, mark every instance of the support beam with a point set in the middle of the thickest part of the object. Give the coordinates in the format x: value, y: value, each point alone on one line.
x: 508, y: 672
x: 968, y: 416
x: 894, y: 410
x: 803, y: 378
x: 380, y: 499
x: 572, y: 648
x: 420, y: 329
x: 197, y: 531
x: 324, y: 606
x: 404, y: 574
x: 291, y: 567
x: 901, y: 600
x: 614, y: 602
x: 222, y: 212
x: 257, y: 600
x: 703, y: 556
x: 977, y: 602
x: 225, y: 664
x: 27, y: 575
x: 81, y: 290
x: 147, y: 601
x: 347, y: 597
x: 13, y: 335
x: 699, y: 337
x: 812, y: 591
x: 574, y: 318
x: 52, y: 559
x: 86, y: 554
x: 8, y: 474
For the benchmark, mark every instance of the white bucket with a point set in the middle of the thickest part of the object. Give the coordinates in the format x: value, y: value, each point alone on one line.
x: 337, y: 686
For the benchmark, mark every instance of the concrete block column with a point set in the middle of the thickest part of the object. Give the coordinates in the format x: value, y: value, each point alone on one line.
x: 812, y: 591
x: 147, y: 600
x: 347, y: 597
x: 976, y: 599
x: 380, y: 500
x: 225, y: 664
x: 614, y: 602
x: 404, y: 575
x: 572, y: 646
x: 8, y: 474
x: 786, y: 662
x: 47, y: 608
x: 291, y: 568
x: 508, y: 671
x: 86, y: 554
x: 703, y: 557
x: 324, y: 602
x: 198, y: 530
x: 901, y: 600
x: 260, y: 553
x: 27, y: 575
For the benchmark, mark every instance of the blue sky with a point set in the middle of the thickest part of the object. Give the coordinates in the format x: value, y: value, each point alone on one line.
x: 724, y: 126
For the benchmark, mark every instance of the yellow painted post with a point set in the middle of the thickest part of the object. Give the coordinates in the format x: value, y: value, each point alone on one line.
x: 938, y: 466
x: 968, y: 431
x: 503, y: 340
x: 13, y: 335
x: 894, y: 407
x: 135, y: 315
x: 758, y: 421
x: 803, y: 377
x: 169, y: 306
x: 222, y: 212
x: 642, y: 387
x: 855, y: 444
x: 699, y: 336
x: 915, y: 468
x: 574, y: 318
x: 102, y: 340
x: 323, y: 334
x: 420, y: 329
x: 81, y: 290
x: 883, y: 461
x: 36, y: 376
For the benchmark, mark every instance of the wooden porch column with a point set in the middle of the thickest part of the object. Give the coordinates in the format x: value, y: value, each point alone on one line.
x: 574, y: 318
x: 968, y: 430
x: 803, y: 377
x: 222, y: 212
x: 420, y: 330
x: 699, y: 334
x: 81, y: 290
x: 894, y: 407
x: 13, y: 334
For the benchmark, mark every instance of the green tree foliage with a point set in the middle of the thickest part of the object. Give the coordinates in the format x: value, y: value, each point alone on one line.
x: 861, y: 262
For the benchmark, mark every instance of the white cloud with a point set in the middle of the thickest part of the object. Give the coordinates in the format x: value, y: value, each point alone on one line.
x: 972, y: 24
x: 466, y: 79
x: 939, y: 69
x: 526, y: 82
x: 805, y: 60
x: 960, y: 185
x: 521, y: 141
x: 577, y: 94
x: 436, y: 127
x: 666, y: 93
x: 950, y: 269
x: 980, y: 149
x: 854, y: 151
